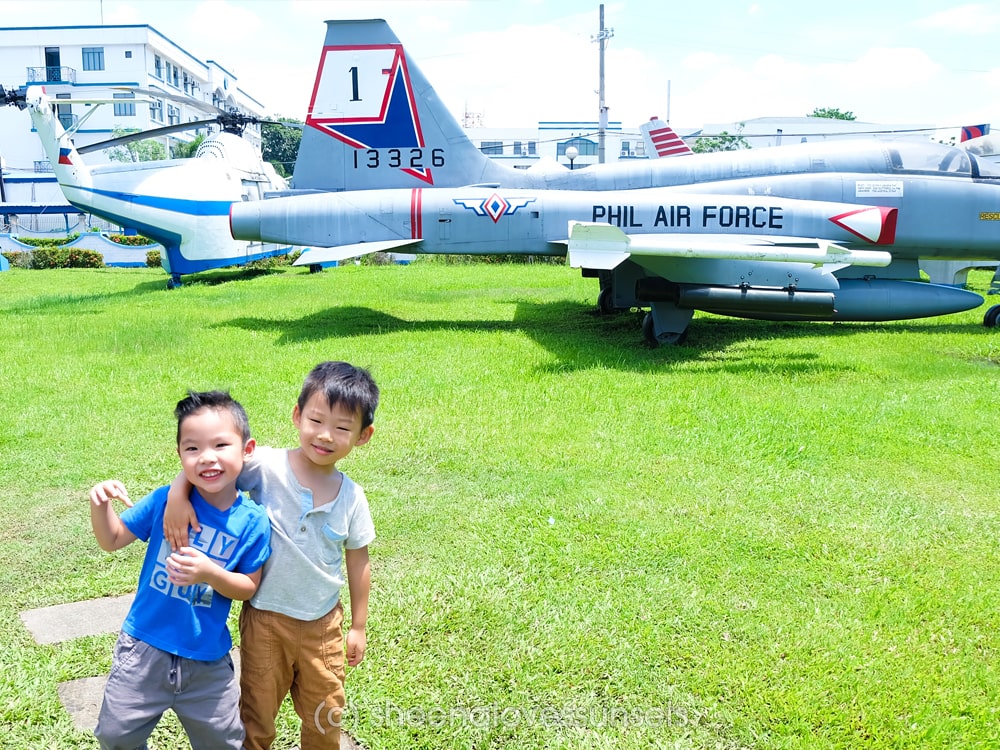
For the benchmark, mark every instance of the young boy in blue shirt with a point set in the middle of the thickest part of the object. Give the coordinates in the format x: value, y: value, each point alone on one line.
x: 173, y: 650
x: 292, y: 629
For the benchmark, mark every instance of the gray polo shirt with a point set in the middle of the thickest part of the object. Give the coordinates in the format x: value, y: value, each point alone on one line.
x: 304, y: 575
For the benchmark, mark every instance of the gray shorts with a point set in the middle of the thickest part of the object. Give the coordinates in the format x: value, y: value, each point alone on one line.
x: 145, y: 681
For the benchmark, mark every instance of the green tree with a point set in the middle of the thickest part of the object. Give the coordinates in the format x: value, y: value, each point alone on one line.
x: 280, y: 144
x: 832, y: 113
x: 721, y: 142
x: 144, y: 150
x: 182, y: 150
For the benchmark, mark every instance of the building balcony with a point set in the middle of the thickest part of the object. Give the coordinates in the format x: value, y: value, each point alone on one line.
x: 52, y: 74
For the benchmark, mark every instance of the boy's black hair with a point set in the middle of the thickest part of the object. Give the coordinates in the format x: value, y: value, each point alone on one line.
x: 342, y: 383
x: 218, y: 400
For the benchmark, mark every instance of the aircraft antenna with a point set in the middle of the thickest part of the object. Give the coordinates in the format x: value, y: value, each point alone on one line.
x: 603, y: 35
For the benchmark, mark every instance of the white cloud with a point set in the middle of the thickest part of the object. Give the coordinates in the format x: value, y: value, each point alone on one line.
x: 974, y: 19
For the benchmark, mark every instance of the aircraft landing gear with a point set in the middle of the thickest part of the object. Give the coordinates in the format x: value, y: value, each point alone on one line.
x: 992, y: 317
x: 174, y: 281
x: 606, y: 301
x: 665, y: 323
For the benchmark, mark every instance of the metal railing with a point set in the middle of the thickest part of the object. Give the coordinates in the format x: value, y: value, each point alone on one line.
x: 52, y: 74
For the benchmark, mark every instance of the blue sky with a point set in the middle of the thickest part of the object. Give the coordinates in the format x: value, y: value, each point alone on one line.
x: 514, y: 62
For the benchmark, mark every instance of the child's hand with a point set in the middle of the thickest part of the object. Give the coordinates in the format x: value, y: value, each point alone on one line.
x: 187, y: 566
x: 108, y: 490
x: 177, y: 518
x: 357, y: 641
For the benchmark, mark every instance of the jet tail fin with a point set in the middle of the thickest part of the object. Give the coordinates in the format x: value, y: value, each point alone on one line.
x: 375, y: 122
x: 661, y: 140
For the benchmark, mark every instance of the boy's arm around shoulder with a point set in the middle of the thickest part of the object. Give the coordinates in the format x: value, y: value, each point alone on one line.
x: 108, y: 528
x: 179, y: 513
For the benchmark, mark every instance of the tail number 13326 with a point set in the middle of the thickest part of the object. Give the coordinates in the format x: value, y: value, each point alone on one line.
x: 399, y: 158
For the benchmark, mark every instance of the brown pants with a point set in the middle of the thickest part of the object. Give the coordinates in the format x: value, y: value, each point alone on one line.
x: 280, y: 654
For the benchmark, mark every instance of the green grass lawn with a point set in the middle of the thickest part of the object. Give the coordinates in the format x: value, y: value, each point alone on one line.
x: 780, y: 535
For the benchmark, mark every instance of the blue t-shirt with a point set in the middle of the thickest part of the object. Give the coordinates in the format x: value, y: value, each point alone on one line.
x: 191, y: 621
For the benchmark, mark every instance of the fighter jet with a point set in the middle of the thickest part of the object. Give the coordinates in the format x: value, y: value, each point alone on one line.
x: 815, y: 231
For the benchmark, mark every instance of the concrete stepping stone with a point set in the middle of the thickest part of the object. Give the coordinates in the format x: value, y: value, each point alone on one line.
x: 64, y: 622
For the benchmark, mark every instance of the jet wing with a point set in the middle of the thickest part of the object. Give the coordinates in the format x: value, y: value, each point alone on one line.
x: 344, y: 252
x: 602, y: 246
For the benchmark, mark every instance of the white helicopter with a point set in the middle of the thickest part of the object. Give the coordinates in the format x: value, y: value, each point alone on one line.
x: 181, y: 203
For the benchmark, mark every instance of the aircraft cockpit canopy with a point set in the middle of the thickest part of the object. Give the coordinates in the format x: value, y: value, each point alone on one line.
x: 914, y: 156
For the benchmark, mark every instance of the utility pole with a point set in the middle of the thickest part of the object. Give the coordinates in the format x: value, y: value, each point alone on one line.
x: 603, y: 35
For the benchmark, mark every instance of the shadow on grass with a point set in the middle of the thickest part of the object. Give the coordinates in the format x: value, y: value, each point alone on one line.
x: 60, y: 303
x: 227, y: 275
x: 580, y: 338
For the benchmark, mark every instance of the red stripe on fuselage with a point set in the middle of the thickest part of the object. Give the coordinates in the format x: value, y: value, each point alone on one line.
x: 417, y: 214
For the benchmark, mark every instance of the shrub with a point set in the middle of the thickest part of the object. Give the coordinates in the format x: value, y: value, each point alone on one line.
x: 153, y: 259
x: 48, y: 241
x: 18, y: 258
x: 80, y: 257
x: 65, y: 257
x: 461, y: 260
x: 132, y: 240
x: 273, y: 261
x: 263, y: 264
x: 49, y: 257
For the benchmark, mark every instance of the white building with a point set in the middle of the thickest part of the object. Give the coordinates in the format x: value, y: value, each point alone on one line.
x: 103, y: 62
x: 523, y: 148
x: 782, y: 131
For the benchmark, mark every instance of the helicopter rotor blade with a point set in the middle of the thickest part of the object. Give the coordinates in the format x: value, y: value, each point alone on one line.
x: 143, y: 134
x: 187, y: 101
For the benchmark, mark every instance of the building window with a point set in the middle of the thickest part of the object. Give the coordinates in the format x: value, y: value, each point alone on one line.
x: 158, y: 67
x: 128, y: 54
x: 492, y: 148
x: 124, y: 109
x: 65, y: 112
x: 93, y: 58
x: 156, y: 110
x: 532, y: 148
x: 584, y: 146
x: 173, y: 115
x: 176, y: 77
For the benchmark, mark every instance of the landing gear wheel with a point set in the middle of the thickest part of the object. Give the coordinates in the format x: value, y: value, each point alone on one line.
x: 992, y: 317
x: 671, y: 338
x: 606, y: 301
x: 647, y: 330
